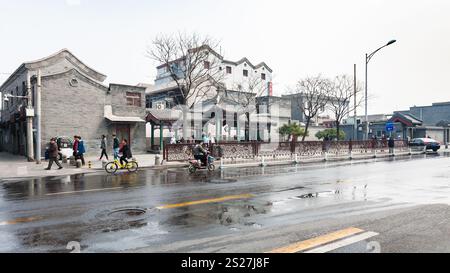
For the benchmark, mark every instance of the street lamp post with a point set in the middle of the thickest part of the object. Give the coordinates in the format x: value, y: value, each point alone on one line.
x: 368, y: 57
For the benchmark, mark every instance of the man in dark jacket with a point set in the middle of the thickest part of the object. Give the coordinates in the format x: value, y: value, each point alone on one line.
x: 53, y: 155
x: 200, y: 153
x: 126, y: 152
x: 103, y: 147
x: 391, y: 144
x: 116, y: 147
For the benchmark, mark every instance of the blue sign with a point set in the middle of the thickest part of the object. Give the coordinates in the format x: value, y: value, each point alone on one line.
x: 389, y: 126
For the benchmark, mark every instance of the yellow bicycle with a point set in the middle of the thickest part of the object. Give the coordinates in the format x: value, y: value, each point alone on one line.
x: 113, y: 166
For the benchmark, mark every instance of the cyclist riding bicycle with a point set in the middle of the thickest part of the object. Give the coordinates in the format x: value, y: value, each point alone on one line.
x: 126, y: 153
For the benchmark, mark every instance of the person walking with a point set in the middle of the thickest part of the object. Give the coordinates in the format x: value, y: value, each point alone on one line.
x: 391, y: 144
x: 53, y: 154
x: 211, y: 139
x: 173, y: 140
x: 205, y: 139
x: 126, y: 152
x: 58, y: 143
x: 103, y: 147
x: 81, y: 150
x: 75, y: 147
x: 116, y: 145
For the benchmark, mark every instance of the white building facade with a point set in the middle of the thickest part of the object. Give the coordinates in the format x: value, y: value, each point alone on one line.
x: 231, y: 118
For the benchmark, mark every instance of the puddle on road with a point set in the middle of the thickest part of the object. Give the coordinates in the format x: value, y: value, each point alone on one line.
x: 118, y: 219
x: 229, y: 215
x: 316, y: 195
x: 119, y: 226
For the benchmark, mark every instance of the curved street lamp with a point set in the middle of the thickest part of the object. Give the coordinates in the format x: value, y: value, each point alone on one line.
x: 368, y: 58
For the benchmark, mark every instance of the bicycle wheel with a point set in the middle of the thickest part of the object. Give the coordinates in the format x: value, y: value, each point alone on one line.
x: 132, y: 166
x: 111, y: 167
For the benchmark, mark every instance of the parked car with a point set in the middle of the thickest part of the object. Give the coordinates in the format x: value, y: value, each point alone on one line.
x: 65, y: 144
x: 429, y: 143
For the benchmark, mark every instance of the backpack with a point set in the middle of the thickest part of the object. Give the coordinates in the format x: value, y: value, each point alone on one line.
x: 81, y: 149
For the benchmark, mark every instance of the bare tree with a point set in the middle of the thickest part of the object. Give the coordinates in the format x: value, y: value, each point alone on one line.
x: 193, y: 63
x: 342, y: 97
x: 311, y: 96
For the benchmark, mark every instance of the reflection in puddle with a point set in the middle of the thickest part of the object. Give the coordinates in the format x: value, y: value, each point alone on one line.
x: 316, y: 194
x: 223, y: 214
x: 120, y: 225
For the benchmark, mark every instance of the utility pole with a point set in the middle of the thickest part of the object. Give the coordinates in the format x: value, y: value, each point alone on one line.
x: 355, y: 125
x: 38, y: 118
x: 366, y: 133
x: 29, y: 113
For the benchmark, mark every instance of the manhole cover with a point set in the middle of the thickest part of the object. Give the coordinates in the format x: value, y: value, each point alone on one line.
x: 126, y: 213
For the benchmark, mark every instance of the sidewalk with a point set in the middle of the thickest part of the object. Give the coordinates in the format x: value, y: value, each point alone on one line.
x: 14, y: 166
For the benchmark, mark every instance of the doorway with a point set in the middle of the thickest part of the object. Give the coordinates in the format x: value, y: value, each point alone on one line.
x: 123, y: 132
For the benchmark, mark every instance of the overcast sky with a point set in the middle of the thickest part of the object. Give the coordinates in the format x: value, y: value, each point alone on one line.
x: 295, y: 38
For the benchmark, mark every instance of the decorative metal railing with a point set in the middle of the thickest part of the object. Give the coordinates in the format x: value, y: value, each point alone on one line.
x: 307, y: 149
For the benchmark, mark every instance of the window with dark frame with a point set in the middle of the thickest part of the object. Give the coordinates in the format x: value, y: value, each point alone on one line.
x: 206, y: 65
x: 133, y: 99
x: 245, y: 73
x: 263, y: 76
x: 228, y: 69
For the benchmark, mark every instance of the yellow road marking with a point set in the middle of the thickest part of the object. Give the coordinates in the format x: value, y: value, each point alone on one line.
x: 205, y: 201
x: 19, y: 221
x: 317, y: 241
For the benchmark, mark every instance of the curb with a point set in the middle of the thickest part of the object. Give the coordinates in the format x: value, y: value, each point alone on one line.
x: 318, y: 160
x: 239, y: 165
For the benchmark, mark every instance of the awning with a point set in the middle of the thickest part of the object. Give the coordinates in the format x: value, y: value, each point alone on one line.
x: 109, y: 115
x: 169, y: 116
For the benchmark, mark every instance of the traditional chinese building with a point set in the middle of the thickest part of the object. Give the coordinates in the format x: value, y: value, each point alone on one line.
x: 74, y: 101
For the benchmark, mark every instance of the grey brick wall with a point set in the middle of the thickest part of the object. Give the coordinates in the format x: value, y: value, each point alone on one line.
x: 117, y: 98
x: 69, y: 111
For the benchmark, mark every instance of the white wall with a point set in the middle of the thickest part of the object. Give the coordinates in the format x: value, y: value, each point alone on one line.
x: 237, y: 78
x: 231, y: 80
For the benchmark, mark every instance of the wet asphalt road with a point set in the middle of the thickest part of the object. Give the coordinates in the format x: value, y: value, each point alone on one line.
x: 234, y: 210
